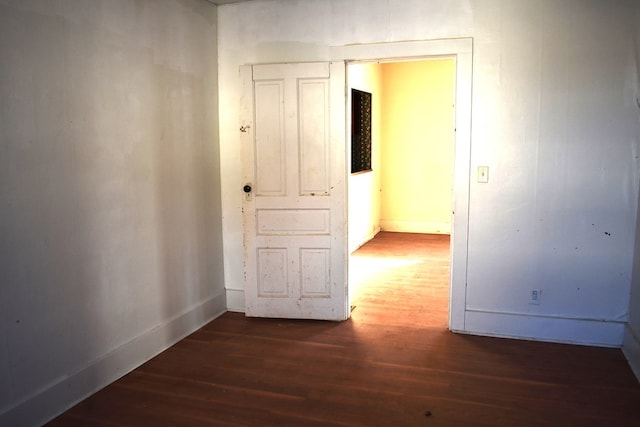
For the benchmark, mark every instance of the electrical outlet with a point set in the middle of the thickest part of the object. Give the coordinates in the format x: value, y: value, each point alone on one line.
x: 535, y: 296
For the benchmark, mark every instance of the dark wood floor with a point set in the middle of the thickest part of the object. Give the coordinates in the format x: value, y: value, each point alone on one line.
x: 393, y: 364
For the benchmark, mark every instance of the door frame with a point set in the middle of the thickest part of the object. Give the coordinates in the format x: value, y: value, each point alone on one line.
x: 462, y: 50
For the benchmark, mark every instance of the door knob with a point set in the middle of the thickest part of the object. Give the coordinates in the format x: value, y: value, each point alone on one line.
x: 246, y: 188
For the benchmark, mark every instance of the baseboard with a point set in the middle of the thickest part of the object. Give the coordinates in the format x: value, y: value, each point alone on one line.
x: 631, y: 349
x: 235, y: 300
x: 62, y: 395
x: 544, y: 328
x: 355, y: 246
x: 416, y: 227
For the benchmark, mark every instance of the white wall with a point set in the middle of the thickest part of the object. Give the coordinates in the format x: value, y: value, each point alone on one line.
x: 364, y: 188
x: 631, y: 346
x: 110, y: 221
x: 631, y: 343
x: 553, y: 118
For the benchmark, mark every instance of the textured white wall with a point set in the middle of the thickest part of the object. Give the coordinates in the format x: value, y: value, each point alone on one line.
x: 555, y: 120
x: 632, y: 333
x: 110, y: 226
x: 553, y: 117
x: 631, y: 344
x: 364, y: 188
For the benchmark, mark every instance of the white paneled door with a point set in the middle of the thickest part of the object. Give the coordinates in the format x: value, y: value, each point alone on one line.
x: 293, y: 136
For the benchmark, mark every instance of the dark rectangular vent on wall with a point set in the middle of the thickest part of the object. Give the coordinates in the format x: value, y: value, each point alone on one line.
x: 360, y: 131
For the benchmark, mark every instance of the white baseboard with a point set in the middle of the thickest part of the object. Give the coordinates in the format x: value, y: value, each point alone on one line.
x: 544, y: 328
x: 62, y: 395
x: 631, y: 349
x: 353, y: 246
x: 235, y: 300
x: 416, y: 227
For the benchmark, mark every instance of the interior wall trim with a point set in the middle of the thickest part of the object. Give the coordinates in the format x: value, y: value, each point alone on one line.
x: 545, y: 328
x: 58, y: 397
x: 631, y: 349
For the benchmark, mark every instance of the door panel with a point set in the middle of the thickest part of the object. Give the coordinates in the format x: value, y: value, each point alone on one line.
x: 294, y: 217
x: 270, y: 146
x: 314, y: 137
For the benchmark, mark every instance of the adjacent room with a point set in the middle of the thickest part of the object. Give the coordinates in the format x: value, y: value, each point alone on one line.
x: 408, y: 184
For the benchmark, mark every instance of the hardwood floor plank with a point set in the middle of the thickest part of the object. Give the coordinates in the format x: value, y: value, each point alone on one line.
x: 392, y: 364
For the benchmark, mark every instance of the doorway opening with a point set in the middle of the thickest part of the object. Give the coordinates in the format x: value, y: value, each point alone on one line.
x: 462, y: 50
x: 400, y: 208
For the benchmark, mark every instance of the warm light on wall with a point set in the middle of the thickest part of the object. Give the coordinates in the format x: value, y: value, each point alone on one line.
x: 417, y: 145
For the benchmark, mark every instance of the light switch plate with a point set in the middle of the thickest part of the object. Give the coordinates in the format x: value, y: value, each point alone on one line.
x: 483, y: 174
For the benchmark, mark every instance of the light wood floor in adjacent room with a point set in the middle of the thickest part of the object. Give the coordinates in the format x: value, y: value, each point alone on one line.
x: 393, y: 364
